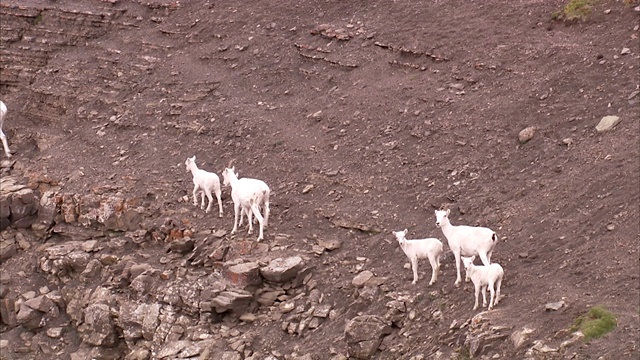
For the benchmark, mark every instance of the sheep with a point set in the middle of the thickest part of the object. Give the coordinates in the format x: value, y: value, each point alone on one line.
x: 430, y: 248
x: 3, y: 137
x: 206, y: 182
x: 484, y: 276
x: 248, y: 196
x: 466, y: 240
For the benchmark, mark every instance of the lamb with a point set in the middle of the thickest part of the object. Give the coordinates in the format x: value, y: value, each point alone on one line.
x: 466, y: 240
x: 430, y: 248
x: 3, y: 137
x: 248, y: 196
x: 206, y: 182
x: 483, y: 276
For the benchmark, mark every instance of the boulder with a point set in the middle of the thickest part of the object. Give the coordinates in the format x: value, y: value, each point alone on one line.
x: 282, y: 269
x: 364, y: 334
x: 243, y: 275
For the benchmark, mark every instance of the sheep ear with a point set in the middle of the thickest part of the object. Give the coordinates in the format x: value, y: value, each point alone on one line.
x: 405, y: 231
x: 448, y: 212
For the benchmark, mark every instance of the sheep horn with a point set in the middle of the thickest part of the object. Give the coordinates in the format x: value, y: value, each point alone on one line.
x: 231, y: 163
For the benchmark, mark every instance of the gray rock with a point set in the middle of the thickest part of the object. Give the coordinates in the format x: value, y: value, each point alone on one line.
x: 139, y: 354
x: 98, y: 328
x: 607, y: 123
x: 554, y: 305
x: 40, y: 303
x: 59, y: 251
x: 48, y: 208
x: 282, y: 270
x: 526, y: 134
x: 171, y: 349
x: 54, y: 332
x: 24, y: 208
x: 243, y: 275
x: 8, y: 248
x: 8, y: 312
x: 29, y: 318
x: 362, y: 278
x: 77, y: 260
x: 182, y: 246
x: 232, y: 300
x: 520, y: 337
x: 330, y: 244
x: 364, y: 334
x: 231, y: 355
x: 151, y: 319
x: 322, y: 310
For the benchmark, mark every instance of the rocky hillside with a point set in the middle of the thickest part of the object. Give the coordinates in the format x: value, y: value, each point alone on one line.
x: 363, y: 117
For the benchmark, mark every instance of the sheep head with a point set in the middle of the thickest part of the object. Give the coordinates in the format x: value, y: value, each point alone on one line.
x: 227, y: 174
x: 467, y: 261
x: 441, y: 215
x: 400, y: 235
x: 189, y: 161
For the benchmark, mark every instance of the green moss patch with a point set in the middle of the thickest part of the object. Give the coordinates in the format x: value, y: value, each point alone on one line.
x: 596, y: 323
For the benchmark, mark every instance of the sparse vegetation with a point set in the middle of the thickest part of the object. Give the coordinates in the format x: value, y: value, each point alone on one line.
x: 462, y: 353
x: 37, y: 20
x: 596, y: 323
x: 574, y: 10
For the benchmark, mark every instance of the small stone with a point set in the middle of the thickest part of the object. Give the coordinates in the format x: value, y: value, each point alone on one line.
x: 526, y: 134
x: 611, y: 227
x: 362, y: 278
x: 54, y: 332
x: 625, y: 51
x: 307, y: 188
x: 607, y: 123
x: 248, y: 317
x: 608, y: 11
x: 567, y: 141
x: 554, y: 305
x: 330, y: 244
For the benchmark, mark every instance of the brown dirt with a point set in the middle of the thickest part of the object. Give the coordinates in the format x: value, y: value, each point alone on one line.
x: 419, y: 108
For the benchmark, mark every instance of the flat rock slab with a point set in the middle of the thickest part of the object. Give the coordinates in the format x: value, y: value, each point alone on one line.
x: 282, y: 269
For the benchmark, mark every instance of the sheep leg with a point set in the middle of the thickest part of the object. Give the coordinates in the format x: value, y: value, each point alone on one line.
x: 236, y: 208
x: 458, y: 278
x: 498, y: 284
x: 485, y: 259
x: 414, y: 267
x: 256, y: 211
x: 4, y: 144
x: 266, y: 211
x: 483, y: 289
x: 435, y: 268
x: 195, y: 196
x: 242, y: 216
x: 493, y: 296
x: 249, y: 213
x: 477, y: 293
x: 208, y: 192
x: 219, y: 197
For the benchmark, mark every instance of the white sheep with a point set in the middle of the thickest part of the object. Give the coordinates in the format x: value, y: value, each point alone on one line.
x: 466, y: 240
x: 430, y: 248
x: 483, y: 277
x: 248, y: 196
x: 206, y: 182
x: 3, y: 137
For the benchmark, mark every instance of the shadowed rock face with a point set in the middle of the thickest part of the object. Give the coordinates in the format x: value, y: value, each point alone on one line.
x: 362, y: 119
